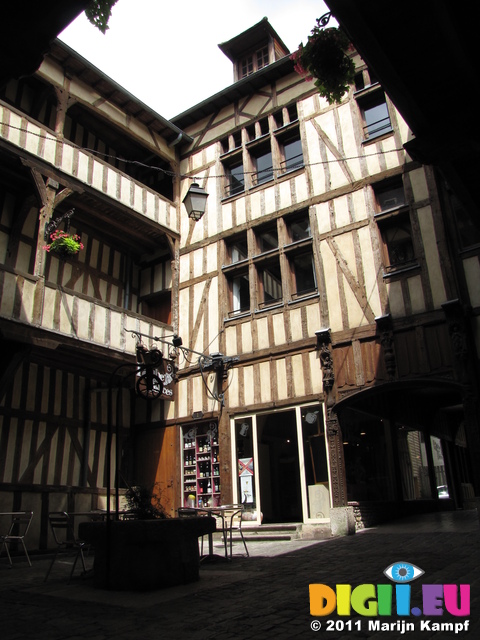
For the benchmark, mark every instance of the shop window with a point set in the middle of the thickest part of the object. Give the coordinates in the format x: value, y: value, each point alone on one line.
x: 237, y: 248
x: 375, y: 114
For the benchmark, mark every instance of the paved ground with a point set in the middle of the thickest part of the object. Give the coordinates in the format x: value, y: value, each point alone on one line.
x: 264, y: 596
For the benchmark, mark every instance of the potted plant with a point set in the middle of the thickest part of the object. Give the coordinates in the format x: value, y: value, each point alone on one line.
x: 64, y: 244
x: 325, y: 59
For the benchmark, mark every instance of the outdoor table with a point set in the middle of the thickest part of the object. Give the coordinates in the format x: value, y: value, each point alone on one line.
x: 219, y: 512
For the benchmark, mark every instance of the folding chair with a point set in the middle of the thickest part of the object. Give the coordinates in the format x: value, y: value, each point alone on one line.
x: 232, y: 521
x: 19, y: 526
x: 61, y: 525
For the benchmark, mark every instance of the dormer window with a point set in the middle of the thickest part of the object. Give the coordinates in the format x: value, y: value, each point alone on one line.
x: 254, y: 62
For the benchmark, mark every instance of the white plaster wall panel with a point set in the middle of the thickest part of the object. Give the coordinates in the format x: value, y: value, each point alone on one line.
x: 282, y: 383
x: 97, y: 176
x: 308, y: 106
x: 213, y: 320
x: 231, y: 340
x: 472, y: 276
x: 82, y: 169
x: 226, y: 216
x: 360, y: 209
x: 322, y: 214
x: 152, y: 209
x: 296, y: 324
x: 419, y: 184
x: 278, y: 322
x: 331, y: 288
x: 183, y: 313
x: 417, y: 298
x: 395, y: 299
x: 83, y: 315
x: 38, y: 471
x: 66, y: 164
x: 100, y: 325
x: 246, y: 331
x: 313, y: 318
x: 103, y: 290
x: 285, y: 191
x: 137, y: 198
x: 370, y: 270
x: 111, y: 183
x: 241, y: 211
x: 315, y: 372
x: 232, y: 391
x: 28, y: 296
x: 33, y: 138
x: 389, y: 146
x: 196, y: 162
x: 265, y: 382
x: 184, y: 270
x: 198, y: 390
x: 270, y: 205
x: 198, y: 263
x: 10, y: 450
x: 432, y: 256
x: 4, y: 238
x: 262, y: 332
x: 298, y: 375
x: 13, y: 131
x: 256, y: 204
x: 124, y: 195
x: 212, y: 257
x: 342, y: 215
x: 48, y: 308
x: 301, y: 188
x: 22, y: 261
x: 248, y: 386
x: 116, y: 331
x: 373, y: 161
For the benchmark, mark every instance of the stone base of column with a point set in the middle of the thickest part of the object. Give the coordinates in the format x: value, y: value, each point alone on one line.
x: 342, y: 521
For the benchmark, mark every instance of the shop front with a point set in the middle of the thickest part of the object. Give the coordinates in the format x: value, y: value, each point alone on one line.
x: 281, y: 465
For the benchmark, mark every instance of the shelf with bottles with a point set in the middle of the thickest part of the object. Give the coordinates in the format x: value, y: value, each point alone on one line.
x: 201, y: 465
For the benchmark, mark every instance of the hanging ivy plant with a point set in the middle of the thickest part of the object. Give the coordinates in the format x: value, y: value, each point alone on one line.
x: 325, y: 60
x: 99, y: 12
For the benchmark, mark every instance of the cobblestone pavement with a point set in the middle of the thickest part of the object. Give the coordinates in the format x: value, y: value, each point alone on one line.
x: 264, y: 596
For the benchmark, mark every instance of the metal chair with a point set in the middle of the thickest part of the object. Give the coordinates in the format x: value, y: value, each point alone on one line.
x: 232, y: 521
x: 19, y: 526
x: 62, y: 528
x: 191, y: 512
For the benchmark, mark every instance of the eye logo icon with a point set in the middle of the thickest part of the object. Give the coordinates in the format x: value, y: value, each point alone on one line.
x: 403, y: 572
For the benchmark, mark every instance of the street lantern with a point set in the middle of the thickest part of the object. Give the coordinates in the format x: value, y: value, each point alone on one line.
x: 195, y: 202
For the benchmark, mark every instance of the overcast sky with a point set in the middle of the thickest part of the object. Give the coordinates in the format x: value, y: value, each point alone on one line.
x: 166, y: 52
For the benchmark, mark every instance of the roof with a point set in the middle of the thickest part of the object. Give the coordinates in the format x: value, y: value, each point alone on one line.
x: 27, y: 29
x: 114, y: 93
x: 250, y: 39
x: 244, y: 87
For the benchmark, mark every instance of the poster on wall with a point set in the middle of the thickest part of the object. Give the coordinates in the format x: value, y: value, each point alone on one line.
x: 245, y: 472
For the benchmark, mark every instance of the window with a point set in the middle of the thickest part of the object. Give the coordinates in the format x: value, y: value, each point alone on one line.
x: 267, y: 238
x: 276, y: 267
x: 235, y: 179
x: 376, y: 118
x: 254, y: 62
x: 262, y: 161
x: 303, y: 274
x: 393, y: 220
x: 291, y: 151
x: 270, y: 283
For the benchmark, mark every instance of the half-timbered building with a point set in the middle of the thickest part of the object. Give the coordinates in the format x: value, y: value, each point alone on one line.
x: 78, y: 154
x: 321, y: 274
x: 327, y: 374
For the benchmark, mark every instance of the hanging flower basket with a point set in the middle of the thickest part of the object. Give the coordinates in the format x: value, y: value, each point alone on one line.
x: 324, y: 59
x: 64, y: 244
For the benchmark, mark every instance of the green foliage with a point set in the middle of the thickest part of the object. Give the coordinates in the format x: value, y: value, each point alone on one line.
x: 99, y: 12
x: 144, y: 503
x: 324, y: 59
